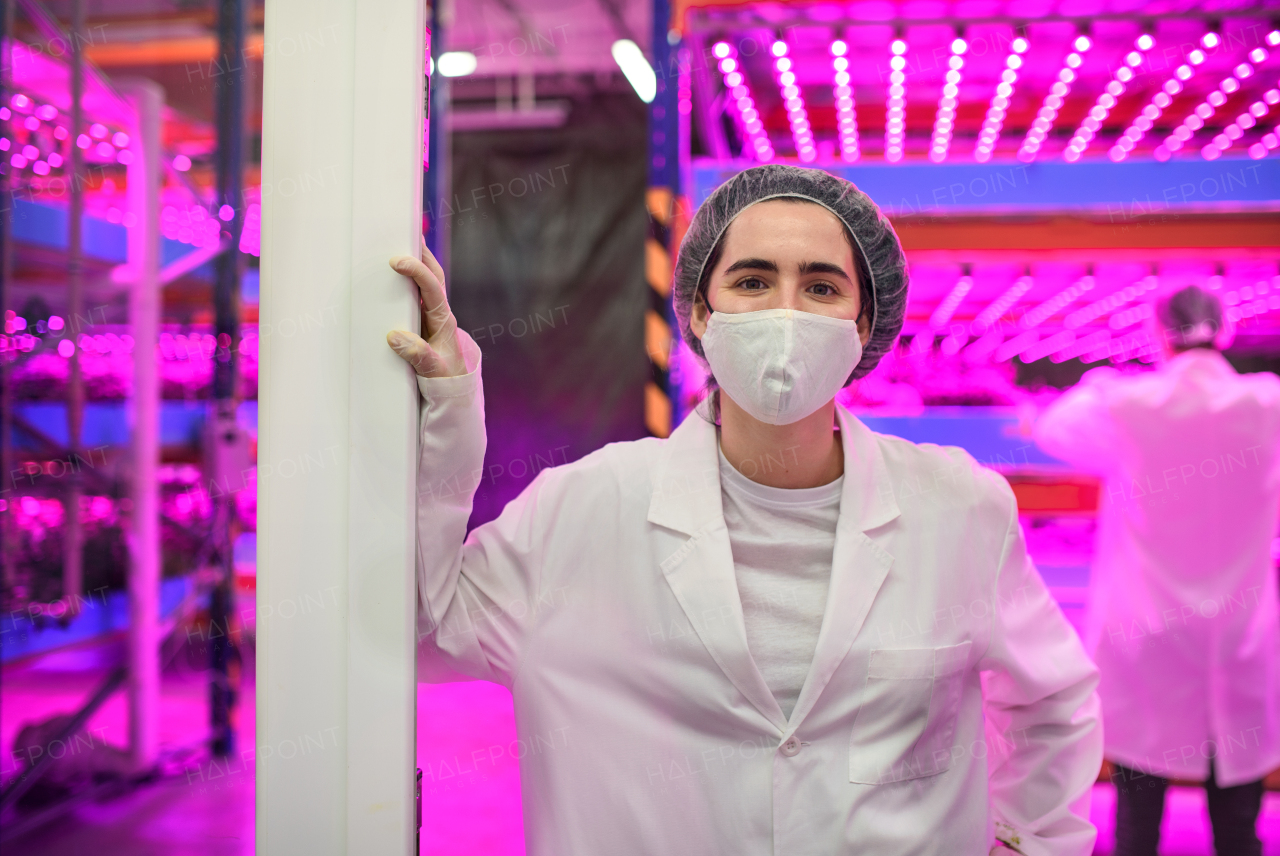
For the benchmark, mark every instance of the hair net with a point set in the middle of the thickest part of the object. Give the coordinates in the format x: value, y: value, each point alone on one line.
x: 878, y: 245
x: 1190, y: 316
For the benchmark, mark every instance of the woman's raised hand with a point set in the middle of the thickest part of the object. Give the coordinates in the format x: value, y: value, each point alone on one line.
x: 439, y: 354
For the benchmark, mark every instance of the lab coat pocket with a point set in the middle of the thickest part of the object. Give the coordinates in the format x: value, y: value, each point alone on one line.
x: 904, y: 726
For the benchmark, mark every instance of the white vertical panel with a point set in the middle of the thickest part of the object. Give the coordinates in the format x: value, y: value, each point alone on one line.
x: 146, y: 99
x: 336, y: 454
x: 381, y: 632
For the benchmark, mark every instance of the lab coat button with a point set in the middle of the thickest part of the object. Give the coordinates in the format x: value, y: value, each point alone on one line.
x: 791, y: 748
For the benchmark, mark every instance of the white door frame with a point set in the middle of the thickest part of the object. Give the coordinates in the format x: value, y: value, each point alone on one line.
x: 342, y: 185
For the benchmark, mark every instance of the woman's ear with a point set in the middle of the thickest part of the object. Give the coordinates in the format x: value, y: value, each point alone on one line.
x: 864, y: 328
x: 698, y: 317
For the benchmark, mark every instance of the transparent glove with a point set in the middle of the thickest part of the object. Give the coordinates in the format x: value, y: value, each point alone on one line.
x: 440, y: 353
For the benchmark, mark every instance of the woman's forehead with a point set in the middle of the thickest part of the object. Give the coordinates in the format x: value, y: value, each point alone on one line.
x: 788, y: 227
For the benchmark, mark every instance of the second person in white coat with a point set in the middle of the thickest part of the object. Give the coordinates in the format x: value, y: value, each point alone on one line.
x: 1183, y: 616
x: 775, y: 632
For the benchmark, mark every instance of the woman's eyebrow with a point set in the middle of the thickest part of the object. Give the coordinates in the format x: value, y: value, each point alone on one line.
x: 752, y: 264
x: 823, y: 267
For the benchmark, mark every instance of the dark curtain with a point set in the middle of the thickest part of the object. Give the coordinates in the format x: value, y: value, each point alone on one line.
x: 547, y: 274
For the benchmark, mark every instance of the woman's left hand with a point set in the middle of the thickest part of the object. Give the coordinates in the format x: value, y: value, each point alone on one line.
x: 438, y: 351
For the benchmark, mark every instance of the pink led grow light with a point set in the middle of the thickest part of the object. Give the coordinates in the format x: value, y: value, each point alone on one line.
x: 1045, y: 347
x: 1270, y: 142
x: 1102, y: 107
x: 895, y: 125
x: 793, y: 101
x: 1016, y: 345
x: 846, y: 118
x: 1203, y: 111
x: 1002, y: 304
x: 944, y: 121
x: 941, y: 315
x: 1251, y: 300
x: 1243, y: 122
x: 1110, y: 303
x: 1129, y: 317
x: 1162, y: 99
x: 1039, y: 129
x: 994, y: 120
x: 738, y: 94
x: 1058, y: 302
x: 1091, y: 343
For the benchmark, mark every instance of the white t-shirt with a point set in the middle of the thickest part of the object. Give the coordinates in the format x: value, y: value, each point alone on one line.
x: 783, y: 541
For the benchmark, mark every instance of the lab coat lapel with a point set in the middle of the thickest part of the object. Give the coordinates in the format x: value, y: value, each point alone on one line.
x: 702, y: 576
x: 686, y: 498
x: 685, y: 480
x: 859, y: 565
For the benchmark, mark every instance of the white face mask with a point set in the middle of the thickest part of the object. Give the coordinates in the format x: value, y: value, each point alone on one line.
x: 780, y: 365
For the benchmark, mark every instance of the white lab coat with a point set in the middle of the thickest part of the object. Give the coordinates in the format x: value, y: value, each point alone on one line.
x: 1183, y: 615
x: 604, y: 596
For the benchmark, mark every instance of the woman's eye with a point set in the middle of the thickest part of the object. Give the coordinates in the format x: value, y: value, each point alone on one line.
x: 822, y: 289
x: 751, y: 284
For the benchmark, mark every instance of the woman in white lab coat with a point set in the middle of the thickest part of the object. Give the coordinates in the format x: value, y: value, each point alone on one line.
x: 1183, y: 615
x: 775, y: 632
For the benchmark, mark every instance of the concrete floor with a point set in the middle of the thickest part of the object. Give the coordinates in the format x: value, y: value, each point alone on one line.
x: 198, y: 810
x: 1185, y: 831
x: 470, y: 808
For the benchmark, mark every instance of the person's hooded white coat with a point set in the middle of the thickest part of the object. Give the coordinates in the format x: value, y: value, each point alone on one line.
x: 1183, y: 615
x: 604, y: 596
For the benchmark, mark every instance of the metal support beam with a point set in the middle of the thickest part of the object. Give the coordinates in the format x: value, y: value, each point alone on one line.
x: 228, y: 207
x: 72, y: 532
x: 437, y: 180
x: 522, y: 21
x: 615, y: 11
x: 8, y: 518
x: 664, y: 155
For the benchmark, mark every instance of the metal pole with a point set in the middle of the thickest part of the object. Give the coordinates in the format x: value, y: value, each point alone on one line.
x: 147, y: 99
x: 437, y: 177
x: 72, y: 532
x: 7, y: 525
x: 229, y: 109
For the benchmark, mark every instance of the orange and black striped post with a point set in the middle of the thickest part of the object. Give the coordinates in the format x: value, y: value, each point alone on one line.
x: 660, y: 201
x: 658, y: 338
